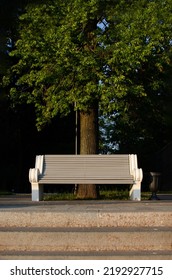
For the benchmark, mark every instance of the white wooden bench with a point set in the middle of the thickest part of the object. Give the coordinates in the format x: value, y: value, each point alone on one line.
x: 85, y: 169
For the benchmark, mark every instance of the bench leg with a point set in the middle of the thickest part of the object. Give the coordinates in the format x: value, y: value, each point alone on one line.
x: 135, y: 192
x: 37, y: 192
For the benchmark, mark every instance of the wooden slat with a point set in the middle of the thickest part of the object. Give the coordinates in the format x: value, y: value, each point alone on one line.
x: 79, y: 169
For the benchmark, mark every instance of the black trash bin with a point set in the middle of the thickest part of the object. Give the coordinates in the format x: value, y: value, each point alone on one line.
x: 155, y: 184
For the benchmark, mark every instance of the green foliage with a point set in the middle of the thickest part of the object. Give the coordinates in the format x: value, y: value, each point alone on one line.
x: 77, y: 51
x: 115, y: 194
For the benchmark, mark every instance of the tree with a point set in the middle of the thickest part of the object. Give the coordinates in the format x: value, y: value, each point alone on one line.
x: 87, y: 53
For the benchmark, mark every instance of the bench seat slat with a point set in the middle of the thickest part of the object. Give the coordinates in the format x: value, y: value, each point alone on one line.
x: 86, y: 181
x: 86, y: 169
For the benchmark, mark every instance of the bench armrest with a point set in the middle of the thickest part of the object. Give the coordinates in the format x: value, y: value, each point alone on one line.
x: 138, y: 175
x: 34, y: 172
x: 33, y: 175
x: 136, y: 172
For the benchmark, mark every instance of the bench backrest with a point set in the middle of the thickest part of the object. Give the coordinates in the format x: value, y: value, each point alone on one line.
x: 80, y: 169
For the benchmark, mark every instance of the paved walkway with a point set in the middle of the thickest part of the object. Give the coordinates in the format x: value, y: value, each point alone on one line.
x: 23, y: 202
x: 99, y: 213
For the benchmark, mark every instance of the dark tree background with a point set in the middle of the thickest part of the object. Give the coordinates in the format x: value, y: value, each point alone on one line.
x: 20, y: 140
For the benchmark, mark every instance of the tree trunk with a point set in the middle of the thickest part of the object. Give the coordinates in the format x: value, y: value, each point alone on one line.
x: 88, y: 145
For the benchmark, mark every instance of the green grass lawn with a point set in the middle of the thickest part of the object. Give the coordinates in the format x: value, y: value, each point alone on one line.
x: 103, y: 194
x: 2, y: 193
